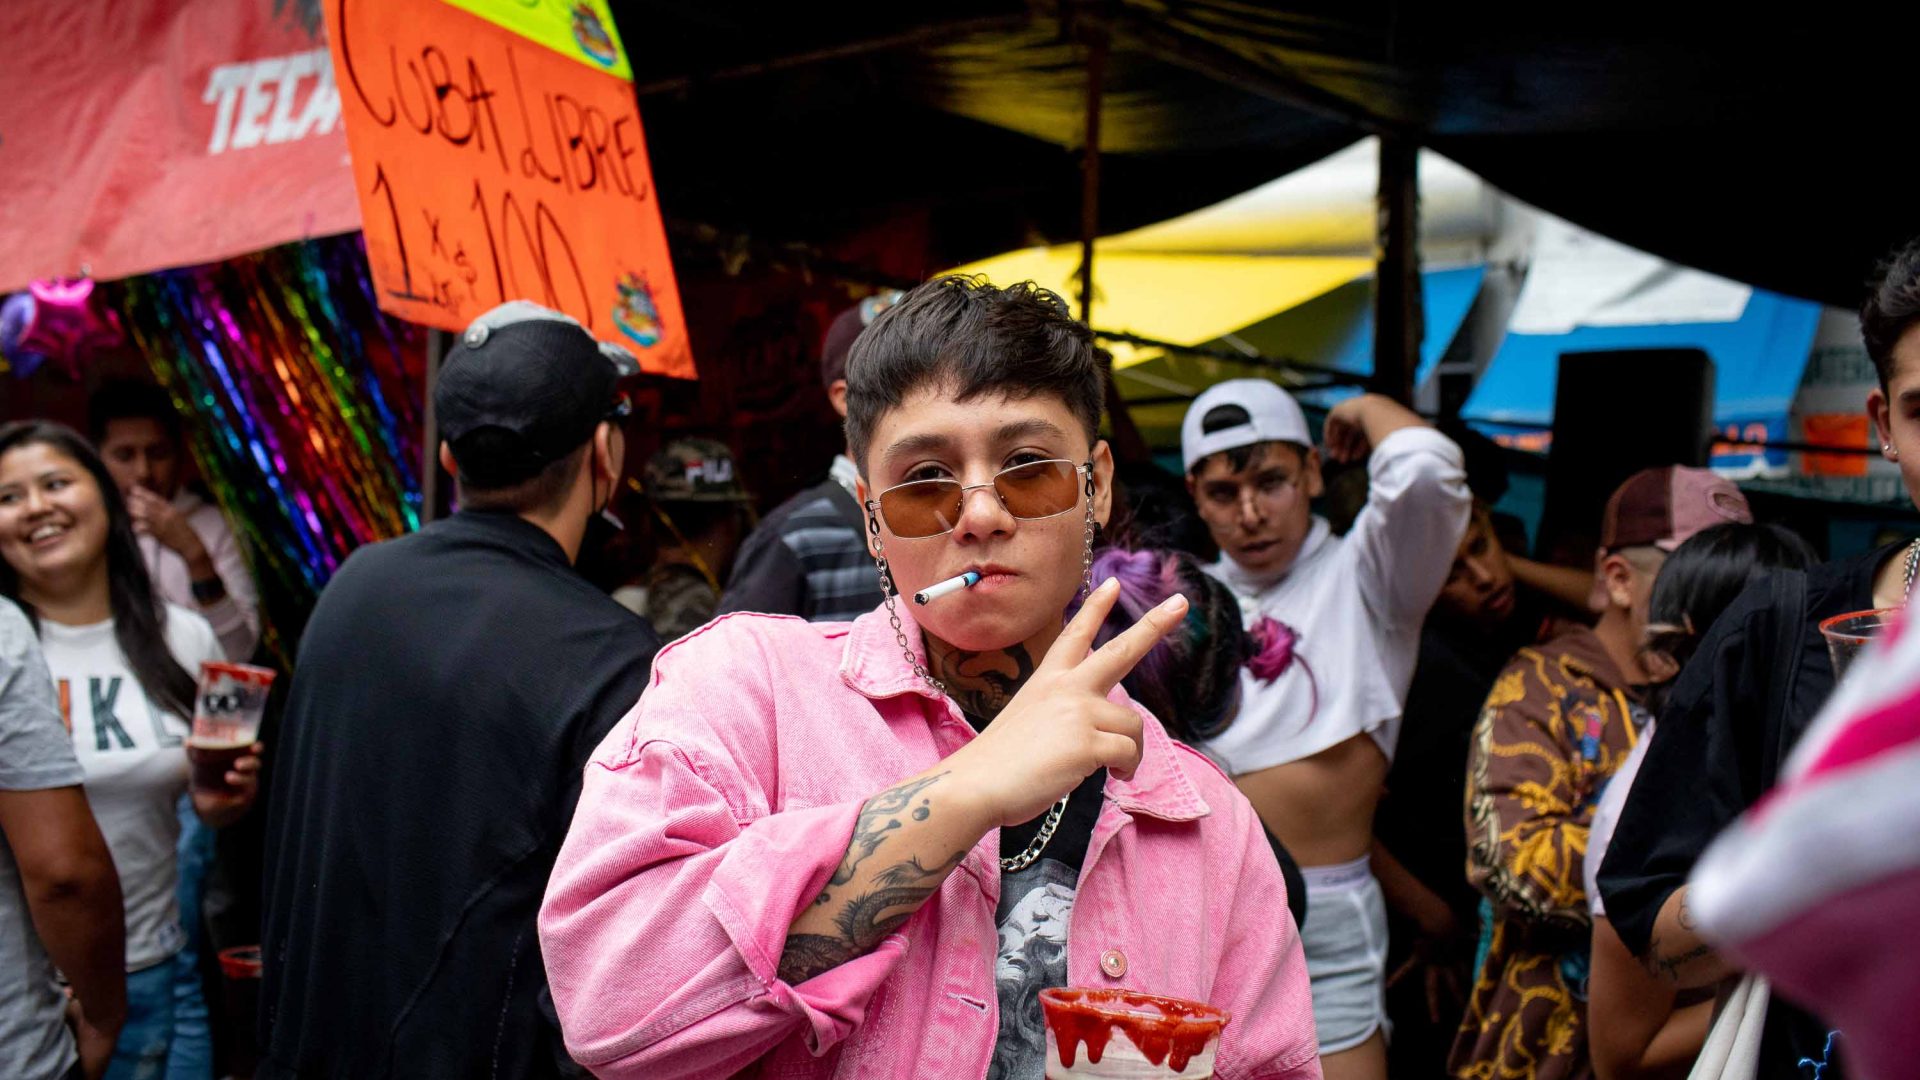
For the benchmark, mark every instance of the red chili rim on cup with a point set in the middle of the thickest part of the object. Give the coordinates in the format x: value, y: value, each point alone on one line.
x: 246, y: 673
x: 1887, y: 616
x: 240, y: 962
x: 1166, y: 1030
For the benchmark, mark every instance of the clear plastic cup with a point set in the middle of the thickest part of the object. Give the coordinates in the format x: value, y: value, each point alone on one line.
x: 227, y: 710
x: 1116, y: 1034
x: 1848, y: 635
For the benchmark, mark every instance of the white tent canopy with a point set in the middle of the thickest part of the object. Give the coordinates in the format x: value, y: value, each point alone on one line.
x: 1328, y: 208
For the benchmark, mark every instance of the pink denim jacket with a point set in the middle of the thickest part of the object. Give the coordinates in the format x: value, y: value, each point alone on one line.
x: 716, y: 810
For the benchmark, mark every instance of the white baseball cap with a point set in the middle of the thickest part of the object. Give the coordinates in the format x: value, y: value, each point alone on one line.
x: 1272, y: 416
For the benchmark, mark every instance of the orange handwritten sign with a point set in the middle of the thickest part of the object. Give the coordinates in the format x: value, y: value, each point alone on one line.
x: 493, y: 168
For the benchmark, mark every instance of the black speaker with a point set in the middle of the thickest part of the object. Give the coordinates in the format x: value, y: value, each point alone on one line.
x: 1615, y: 413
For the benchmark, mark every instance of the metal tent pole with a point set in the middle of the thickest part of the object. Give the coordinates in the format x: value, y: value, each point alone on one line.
x: 430, y: 431
x: 1398, y: 320
x: 1097, y: 41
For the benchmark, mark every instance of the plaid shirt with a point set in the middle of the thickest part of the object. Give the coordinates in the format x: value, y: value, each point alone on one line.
x: 808, y: 558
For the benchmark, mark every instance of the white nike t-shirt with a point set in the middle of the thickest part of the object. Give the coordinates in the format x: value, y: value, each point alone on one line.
x: 135, y: 757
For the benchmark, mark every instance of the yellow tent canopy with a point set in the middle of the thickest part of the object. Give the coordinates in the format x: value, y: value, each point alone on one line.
x: 1183, y: 299
x: 1211, y: 273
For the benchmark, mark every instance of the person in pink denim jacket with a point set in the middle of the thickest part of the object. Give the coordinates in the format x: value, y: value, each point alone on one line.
x: 861, y: 849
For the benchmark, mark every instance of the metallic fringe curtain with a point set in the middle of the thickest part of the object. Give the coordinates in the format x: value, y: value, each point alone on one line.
x: 302, y: 408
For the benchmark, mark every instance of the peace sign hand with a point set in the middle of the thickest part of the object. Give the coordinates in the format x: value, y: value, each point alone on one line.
x: 1060, y: 727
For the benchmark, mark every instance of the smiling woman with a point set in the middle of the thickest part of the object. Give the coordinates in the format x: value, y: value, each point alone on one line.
x: 121, y: 658
x: 790, y: 802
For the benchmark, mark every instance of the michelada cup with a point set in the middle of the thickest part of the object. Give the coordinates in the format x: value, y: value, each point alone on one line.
x: 227, y: 710
x: 1111, y: 1034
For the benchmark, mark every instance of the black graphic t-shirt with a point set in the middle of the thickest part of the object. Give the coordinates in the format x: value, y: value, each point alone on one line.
x: 1036, y: 908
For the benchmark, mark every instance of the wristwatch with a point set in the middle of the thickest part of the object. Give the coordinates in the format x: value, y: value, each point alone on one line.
x: 210, y: 590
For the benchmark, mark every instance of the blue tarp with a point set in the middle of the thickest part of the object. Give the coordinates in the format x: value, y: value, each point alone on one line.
x: 1447, y: 294
x: 1758, y: 360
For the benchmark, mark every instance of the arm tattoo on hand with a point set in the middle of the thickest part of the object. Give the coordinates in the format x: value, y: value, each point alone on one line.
x: 911, y: 873
x: 863, y: 919
x: 807, y: 955
x: 903, y: 887
x: 879, y: 817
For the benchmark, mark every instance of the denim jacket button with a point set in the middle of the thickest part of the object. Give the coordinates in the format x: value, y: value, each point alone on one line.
x: 1114, y: 963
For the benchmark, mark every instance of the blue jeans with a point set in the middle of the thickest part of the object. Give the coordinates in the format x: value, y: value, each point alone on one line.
x: 167, y: 1036
x: 161, y: 1040
x: 191, y: 1057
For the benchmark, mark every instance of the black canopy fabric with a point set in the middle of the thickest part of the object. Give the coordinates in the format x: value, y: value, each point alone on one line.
x: 1771, y: 146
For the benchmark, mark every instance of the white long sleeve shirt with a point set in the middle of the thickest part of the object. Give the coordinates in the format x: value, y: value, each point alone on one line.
x: 1357, y: 603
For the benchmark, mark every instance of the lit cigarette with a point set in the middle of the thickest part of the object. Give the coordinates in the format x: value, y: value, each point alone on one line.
x: 952, y: 585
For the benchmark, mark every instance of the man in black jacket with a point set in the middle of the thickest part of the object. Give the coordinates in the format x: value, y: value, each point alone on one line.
x: 1759, y: 678
x: 450, y: 688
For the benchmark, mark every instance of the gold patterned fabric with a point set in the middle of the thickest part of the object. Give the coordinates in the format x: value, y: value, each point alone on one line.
x: 1558, y: 724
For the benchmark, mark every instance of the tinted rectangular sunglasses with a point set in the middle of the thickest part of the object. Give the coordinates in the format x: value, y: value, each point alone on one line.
x: 1037, y: 489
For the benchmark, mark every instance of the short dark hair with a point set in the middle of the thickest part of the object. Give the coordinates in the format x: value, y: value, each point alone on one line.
x: 130, y: 399
x: 541, y: 492
x: 1020, y: 341
x: 1242, y: 458
x: 1892, y: 307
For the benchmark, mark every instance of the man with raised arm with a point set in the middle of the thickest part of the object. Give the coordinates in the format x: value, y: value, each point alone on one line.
x: 1311, y: 748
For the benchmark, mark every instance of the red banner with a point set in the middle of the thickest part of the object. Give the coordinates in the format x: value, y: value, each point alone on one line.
x: 142, y: 134
x: 492, y: 167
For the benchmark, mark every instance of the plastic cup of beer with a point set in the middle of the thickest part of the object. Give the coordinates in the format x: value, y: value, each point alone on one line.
x: 1848, y: 635
x: 227, y: 710
x: 1111, y: 1034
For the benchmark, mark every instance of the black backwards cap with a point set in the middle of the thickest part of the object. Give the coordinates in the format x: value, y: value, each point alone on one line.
x: 523, y: 387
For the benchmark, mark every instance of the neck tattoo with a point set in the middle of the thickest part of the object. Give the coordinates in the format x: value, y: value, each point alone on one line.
x: 981, y: 683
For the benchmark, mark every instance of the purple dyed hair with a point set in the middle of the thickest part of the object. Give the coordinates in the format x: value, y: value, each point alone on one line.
x: 1190, y: 679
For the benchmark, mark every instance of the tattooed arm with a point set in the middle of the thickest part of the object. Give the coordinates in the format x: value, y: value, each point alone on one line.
x: 906, y: 841
x: 1052, y: 726
x: 1677, y: 954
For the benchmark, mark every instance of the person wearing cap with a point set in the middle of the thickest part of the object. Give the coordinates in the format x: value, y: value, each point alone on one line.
x: 809, y: 556
x: 448, y: 692
x: 698, y: 501
x: 1744, y: 703
x: 1311, y: 748
x: 1561, y: 720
